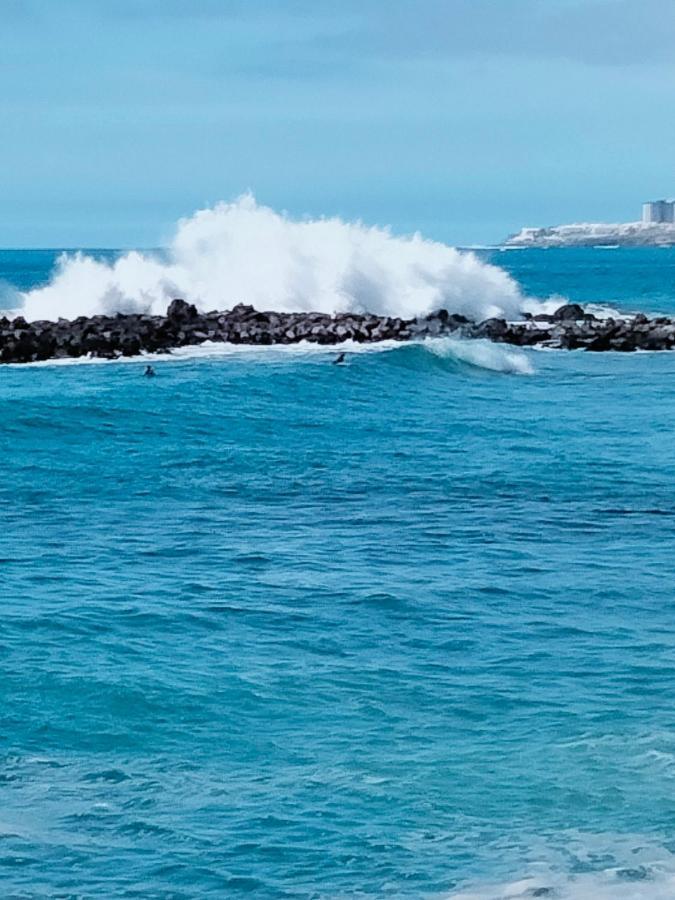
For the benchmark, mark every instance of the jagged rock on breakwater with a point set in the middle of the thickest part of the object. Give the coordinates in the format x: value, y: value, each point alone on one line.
x: 111, y: 337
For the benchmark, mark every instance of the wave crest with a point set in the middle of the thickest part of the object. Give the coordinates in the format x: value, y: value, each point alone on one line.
x: 482, y: 354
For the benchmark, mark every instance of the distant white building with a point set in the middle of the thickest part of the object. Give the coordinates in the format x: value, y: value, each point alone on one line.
x: 658, y: 211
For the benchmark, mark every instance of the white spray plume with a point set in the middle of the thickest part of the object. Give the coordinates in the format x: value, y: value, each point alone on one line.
x: 244, y: 252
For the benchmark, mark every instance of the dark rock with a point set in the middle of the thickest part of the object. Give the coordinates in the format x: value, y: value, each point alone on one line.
x: 241, y: 311
x: 624, y: 344
x: 570, y: 311
x: 494, y: 329
x: 600, y: 343
x: 180, y: 311
x: 110, y: 337
x: 456, y: 321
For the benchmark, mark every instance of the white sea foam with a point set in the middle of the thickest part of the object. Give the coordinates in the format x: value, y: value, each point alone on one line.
x: 640, y: 870
x: 477, y: 353
x: 609, y: 885
x: 224, y: 350
x: 555, y: 301
x: 245, y: 252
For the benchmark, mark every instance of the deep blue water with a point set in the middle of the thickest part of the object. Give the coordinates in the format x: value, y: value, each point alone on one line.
x: 404, y: 628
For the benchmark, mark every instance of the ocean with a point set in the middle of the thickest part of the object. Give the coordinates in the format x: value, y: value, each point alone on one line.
x: 399, y: 628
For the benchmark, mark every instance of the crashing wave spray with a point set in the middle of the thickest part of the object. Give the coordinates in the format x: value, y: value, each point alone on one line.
x: 245, y: 252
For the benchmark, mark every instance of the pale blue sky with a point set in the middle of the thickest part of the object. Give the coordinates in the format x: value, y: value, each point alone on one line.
x: 464, y: 119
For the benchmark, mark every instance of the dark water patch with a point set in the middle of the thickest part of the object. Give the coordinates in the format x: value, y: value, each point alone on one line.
x: 10, y: 861
x: 225, y: 608
x: 42, y: 424
x: 112, y: 776
x: 283, y: 616
x: 639, y: 873
x: 252, y: 560
x: 142, y: 829
x: 381, y: 600
x: 494, y: 590
x: 322, y: 647
x: 655, y: 511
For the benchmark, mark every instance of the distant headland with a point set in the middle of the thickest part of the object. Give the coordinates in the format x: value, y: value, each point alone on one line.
x: 655, y: 229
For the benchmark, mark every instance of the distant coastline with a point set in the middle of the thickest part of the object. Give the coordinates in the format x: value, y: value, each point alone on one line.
x: 628, y: 234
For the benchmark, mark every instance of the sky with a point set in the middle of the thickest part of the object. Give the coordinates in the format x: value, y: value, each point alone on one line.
x: 461, y: 119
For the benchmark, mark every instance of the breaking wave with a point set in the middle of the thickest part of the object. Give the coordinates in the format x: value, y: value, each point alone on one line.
x: 440, y: 354
x: 245, y: 252
x: 482, y: 354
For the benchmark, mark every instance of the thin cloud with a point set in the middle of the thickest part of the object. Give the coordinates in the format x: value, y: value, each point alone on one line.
x: 318, y: 35
x: 597, y: 32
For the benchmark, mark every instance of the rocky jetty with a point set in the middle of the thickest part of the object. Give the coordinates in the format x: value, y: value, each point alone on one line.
x: 571, y: 328
x: 111, y: 337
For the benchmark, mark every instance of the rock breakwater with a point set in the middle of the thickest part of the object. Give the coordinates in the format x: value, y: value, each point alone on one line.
x: 111, y: 337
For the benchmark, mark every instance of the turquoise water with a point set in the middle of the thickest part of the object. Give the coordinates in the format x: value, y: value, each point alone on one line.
x: 403, y: 628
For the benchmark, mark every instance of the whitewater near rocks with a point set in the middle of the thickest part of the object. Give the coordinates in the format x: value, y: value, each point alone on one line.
x: 111, y: 337
x: 245, y: 252
x: 323, y: 281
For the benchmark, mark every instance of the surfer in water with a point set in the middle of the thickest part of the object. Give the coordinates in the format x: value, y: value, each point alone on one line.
x: 339, y: 360
x: 149, y: 372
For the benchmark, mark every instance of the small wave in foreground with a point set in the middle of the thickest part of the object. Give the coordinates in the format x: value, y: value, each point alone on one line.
x: 478, y: 354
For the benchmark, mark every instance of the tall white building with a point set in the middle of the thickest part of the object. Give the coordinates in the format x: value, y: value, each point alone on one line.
x: 658, y: 211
